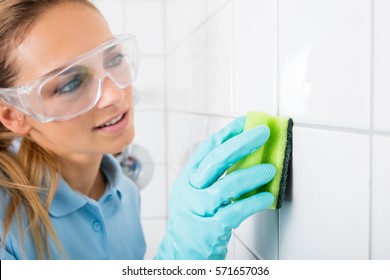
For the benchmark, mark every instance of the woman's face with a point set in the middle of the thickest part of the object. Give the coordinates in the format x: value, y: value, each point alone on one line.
x: 60, y: 34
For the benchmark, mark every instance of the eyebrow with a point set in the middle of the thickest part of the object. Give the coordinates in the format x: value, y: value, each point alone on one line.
x: 74, y: 68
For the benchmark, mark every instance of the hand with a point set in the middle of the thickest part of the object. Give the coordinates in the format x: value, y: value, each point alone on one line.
x: 202, y: 214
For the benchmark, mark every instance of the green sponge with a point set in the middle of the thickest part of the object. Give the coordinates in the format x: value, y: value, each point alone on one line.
x: 277, y: 150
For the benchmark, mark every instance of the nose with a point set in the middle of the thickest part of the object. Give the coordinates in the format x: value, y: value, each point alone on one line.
x: 111, y: 94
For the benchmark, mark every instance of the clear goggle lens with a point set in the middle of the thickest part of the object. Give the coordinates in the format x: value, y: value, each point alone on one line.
x: 74, y: 89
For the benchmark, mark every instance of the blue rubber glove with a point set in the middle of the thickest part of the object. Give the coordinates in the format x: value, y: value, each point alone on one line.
x: 201, y: 214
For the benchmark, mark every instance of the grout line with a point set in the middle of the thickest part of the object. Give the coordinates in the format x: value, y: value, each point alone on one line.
x: 232, y: 62
x: 361, y: 131
x: 185, y: 112
x: 370, y: 202
x: 277, y: 67
x: 152, y: 55
x: 254, y: 255
x: 166, y: 146
x: 199, y: 26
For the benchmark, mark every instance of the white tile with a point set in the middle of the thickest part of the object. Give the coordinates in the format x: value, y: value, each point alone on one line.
x: 199, y: 77
x: 380, y: 203
x: 113, y: 11
x: 381, y: 69
x: 324, y: 61
x: 255, y: 55
x: 154, y: 195
x: 325, y: 214
x: 213, y: 6
x: 196, y: 46
x: 242, y: 252
x: 149, y: 84
x: 196, y: 127
x: 172, y: 174
x: 219, y: 62
x: 178, y: 137
x: 154, y: 230
x: 145, y: 19
x: 186, y: 77
x: 260, y: 234
x: 217, y: 123
x: 150, y: 133
x: 199, y: 124
x: 182, y: 18
x: 177, y: 91
x: 231, y: 254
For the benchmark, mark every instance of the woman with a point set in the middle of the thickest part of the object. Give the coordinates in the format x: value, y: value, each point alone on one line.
x: 66, y: 105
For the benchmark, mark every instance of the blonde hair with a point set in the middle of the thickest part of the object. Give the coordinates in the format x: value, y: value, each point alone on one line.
x: 29, y: 176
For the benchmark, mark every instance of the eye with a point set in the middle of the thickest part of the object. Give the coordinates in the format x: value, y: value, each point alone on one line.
x: 73, y: 84
x: 114, y: 61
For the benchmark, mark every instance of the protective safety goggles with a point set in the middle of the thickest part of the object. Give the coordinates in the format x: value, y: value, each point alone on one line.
x: 75, y: 87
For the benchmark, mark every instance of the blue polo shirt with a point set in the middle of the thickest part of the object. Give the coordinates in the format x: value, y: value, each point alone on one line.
x: 109, y: 228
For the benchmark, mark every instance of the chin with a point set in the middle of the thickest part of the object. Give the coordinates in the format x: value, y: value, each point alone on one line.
x: 118, y: 146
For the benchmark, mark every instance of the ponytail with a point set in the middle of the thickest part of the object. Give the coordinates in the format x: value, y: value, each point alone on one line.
x: 22, y: 177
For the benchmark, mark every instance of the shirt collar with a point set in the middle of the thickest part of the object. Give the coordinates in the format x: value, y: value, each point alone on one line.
x: 66, y: 200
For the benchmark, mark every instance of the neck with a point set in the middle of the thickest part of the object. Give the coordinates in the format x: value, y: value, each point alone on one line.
x: 82, y: 173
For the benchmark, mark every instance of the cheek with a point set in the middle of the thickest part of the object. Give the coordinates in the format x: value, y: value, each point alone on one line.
x: 69, y: 136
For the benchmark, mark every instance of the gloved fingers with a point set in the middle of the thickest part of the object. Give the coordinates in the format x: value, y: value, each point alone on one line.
x: 235, y: 213
x: 225, y: 155
x: 232, y: 129
x: 238, y: 183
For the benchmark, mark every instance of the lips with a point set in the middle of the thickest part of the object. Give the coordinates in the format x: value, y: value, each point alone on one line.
x: 114, y: 123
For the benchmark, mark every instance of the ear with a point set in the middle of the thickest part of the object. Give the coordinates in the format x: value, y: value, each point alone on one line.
x: 14, y: 120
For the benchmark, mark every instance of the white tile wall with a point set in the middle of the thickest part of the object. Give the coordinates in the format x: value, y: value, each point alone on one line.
x: 182, y: 18
x: 380, y: 215
x: 179, y: 144
x: 327, y: 213
x: 145, y: 18
x: 213, y: 6
x: 153, y: 203
x: 380, y: 204
x: 241, y: 252
x: 113, y: 11
x: 381, y: 69
x: 150, y: 133
x: 322, y: 62
x: 200, y: 68
x: 154, y: 230
x: 259, y: 233
x: 186, y: 74
x: 255, y: 48
x: 150, y: 83
x: 219, y: 62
